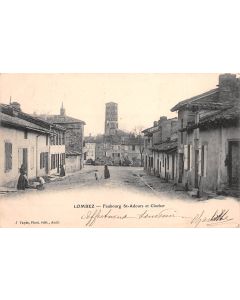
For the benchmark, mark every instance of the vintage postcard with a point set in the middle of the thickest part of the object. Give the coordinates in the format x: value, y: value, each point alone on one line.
x: 120, y: 150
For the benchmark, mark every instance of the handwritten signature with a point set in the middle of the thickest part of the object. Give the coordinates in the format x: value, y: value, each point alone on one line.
x: 92, y: 216
x: 218, y: 217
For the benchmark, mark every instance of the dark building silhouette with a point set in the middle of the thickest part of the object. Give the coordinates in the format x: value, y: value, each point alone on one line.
x: 111, y: 118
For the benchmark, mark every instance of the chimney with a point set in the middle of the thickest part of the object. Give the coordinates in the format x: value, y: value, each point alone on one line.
x: 155, y: 123
x: 228, y: 87
x: 162, y: 119
x: 15, y: 105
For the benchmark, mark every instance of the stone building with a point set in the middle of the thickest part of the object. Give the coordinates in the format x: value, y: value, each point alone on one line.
x: 74, y: 136
x: 160, y: 148
x: 209, y: 139
x: 111, y: 118
x: 28, y: 141
x: 90, y: 149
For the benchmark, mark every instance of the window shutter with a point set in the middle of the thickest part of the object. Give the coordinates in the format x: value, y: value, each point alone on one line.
x: 200, y: 162
x: 185, y: 157
x: 8, y: 156
x: 20, y: 157
x: 205, y: 160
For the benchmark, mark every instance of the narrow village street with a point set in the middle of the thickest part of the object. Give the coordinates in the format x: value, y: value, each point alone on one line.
x: 130, y: 178
x: 129, y: 198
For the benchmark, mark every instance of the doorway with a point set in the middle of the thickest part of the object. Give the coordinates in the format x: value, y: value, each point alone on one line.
x: 234, y: 164
x: 181, y: 167
x: 173, y: 166
x: 23, y: 158
x: 196, y: 168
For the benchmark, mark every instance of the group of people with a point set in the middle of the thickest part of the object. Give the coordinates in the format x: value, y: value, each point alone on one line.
x: 23, y: 182
x: 106, y: 173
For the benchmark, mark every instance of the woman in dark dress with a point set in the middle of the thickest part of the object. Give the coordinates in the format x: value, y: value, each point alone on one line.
x: 106, y: 172
x: 22, y: 180
x: 62, y: 171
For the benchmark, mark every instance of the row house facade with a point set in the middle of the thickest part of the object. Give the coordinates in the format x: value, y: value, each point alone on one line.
x: 124, y: 149
x: 209, y: 139
x: 25, y: 140
x: 160, y: 148
x: 89, y: 149
x: 74, y: 138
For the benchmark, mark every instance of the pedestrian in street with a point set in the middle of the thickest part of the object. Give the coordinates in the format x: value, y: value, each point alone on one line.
x: 106, y: 172
x: 96, y: 174
x: 22, y: 182
x: 62, y: 171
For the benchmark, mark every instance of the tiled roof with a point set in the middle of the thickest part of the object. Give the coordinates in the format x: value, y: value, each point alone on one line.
x: 8, y: 120
x: 204, y: 99
x: 73, y: 153
x: 59, y: 119
x: 229, y: 114
x: 150, y: 130
x: 11, y: 111
x: 165, y: 146
x: 223, y: 117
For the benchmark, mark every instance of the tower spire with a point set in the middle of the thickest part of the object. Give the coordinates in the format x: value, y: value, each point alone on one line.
x: 62, y: 110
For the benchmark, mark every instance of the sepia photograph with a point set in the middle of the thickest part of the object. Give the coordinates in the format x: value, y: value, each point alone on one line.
x: 120, y: 150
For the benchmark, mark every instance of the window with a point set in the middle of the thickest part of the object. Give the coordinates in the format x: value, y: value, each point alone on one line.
x: 133, y: 147
x: 43, y: 159
x: 53, y: 161
x: 46, y: 140
x: 168, y: 162
x: 25, y: 134
x: 8, y: 156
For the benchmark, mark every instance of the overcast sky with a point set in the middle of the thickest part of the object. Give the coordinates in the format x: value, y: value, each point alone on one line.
x: 141, y: 98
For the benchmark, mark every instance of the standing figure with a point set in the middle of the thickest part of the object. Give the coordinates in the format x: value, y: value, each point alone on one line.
x: 22, y: 179
x: 62, y: 171
x: 106, y: 172
x: 96, y: 174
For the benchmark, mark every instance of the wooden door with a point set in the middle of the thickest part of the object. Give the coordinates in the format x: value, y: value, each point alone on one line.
x: 173, y: 165
x: 165, y: 167
x: 181, y: 167
x: 57, y: 163
x: 46, y: 162
x: 25, y: 159
x: 234, y: 164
